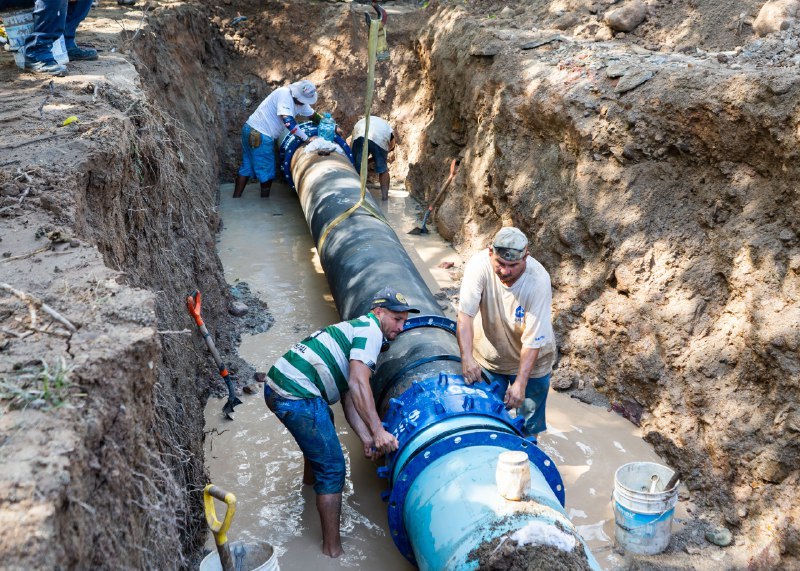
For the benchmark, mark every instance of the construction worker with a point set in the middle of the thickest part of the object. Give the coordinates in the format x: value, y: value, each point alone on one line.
x: 51, y: 20
x: 504, y: 325
x: 267, y: 125
x: 332, y: 363
x: 382, y: 141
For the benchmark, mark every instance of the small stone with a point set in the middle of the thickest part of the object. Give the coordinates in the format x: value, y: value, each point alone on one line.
x: 6, y: 254
x: 37, y: 404
x: 604, y: 34
x: 722, y: 58
x: 786, y: 235
x: 259, y: 377
x: 566, y: 21
x: 626, y: 17
x: 244, y: 42
x: 507, y: 12
x: 719, y: 536
x: 74, y: 243
x: 485, y: 50
x: 633, y: 80
x: 251, y: 389
x: 776, y: 15
x: 238, y: 309
x: 446, y: 265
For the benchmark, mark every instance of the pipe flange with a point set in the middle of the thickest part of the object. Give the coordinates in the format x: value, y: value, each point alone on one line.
x: 436, y: 321
x: 443, y: 447
x: 432, y: 400
x: 291, y: 143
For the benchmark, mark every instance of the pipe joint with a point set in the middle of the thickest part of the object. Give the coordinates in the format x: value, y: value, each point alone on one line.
x: 291, y: 143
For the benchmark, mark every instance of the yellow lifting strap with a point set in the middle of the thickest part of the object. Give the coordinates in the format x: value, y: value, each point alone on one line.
x: 374, y: 27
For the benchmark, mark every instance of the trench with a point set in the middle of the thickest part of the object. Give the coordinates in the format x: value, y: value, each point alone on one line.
x: 256, y: 458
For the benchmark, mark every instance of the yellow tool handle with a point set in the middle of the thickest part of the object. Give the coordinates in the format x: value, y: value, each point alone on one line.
x: 218, y: 528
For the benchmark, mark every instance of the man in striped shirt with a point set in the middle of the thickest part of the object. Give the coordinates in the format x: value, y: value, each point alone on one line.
x: 332, y: 364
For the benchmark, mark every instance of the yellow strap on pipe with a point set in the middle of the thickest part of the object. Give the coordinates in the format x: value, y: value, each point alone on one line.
x: 372, y: 49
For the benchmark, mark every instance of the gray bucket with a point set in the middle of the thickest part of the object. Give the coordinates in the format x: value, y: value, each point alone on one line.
x: 643, y: 509
x: 253, y: 557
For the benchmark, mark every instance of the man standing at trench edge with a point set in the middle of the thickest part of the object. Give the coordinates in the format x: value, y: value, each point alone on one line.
x: 332, y: 363
x: 512, y: 338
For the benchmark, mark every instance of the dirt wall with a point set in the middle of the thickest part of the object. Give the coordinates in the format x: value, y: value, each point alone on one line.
x: 666, y: 214
x: 107, y: 471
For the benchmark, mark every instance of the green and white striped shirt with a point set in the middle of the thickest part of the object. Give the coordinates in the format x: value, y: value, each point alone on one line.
x: 319, y: 365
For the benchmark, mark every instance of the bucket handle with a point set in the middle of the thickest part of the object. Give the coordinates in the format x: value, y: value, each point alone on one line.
x: 662, y: 514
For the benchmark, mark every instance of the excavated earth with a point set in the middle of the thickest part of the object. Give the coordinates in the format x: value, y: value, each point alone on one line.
x: 655, y: 171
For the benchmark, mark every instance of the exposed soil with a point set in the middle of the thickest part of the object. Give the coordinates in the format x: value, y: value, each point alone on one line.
x: 505, y: 554
x: 655, y: 172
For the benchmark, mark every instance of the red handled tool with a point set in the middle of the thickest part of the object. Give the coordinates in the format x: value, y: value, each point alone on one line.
x: 194, y: 303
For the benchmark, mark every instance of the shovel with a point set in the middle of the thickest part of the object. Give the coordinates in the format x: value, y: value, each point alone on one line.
x: 424, y: 229
x: 220, y: 528
x: 193, y: 303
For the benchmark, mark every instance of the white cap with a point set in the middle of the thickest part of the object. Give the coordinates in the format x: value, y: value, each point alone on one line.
x: 304, y: 91
x: 510, y: 244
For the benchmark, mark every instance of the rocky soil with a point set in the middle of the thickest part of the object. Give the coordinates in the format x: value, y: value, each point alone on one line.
x: 654, y: 170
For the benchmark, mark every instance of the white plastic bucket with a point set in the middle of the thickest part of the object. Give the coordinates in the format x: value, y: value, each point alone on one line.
x: 643, y: 518
x: 256, y: 557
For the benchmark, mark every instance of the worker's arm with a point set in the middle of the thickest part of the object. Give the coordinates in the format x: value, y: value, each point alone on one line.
x: 364, y: 403
x: 294, y: 128
x: 465, y: 333
x: 392, y: 142
x: 358, y: 426
x: 515, y: 395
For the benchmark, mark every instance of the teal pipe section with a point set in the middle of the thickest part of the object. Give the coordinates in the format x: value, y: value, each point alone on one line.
x: 453, y: 506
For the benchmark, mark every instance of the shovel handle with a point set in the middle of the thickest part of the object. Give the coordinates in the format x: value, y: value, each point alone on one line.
x: 217, y: 527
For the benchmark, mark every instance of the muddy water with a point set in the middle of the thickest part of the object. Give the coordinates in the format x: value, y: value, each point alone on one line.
x: 267, y: 244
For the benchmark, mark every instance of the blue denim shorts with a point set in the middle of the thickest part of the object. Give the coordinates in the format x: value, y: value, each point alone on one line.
x: 257, y: 162
x: 375, y: 151
x: 310, y: 422
x: 533, y: 406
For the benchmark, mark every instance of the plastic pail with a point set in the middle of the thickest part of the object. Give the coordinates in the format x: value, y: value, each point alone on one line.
x: 643, y: 517
x: 256, y: 557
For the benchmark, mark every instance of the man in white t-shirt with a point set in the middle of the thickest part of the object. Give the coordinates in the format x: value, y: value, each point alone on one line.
x: 381, y: 142
x: 267, y: 125
x: 505, y: 325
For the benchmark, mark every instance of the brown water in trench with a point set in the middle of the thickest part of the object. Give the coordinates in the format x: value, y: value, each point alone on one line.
x: 266, y: 243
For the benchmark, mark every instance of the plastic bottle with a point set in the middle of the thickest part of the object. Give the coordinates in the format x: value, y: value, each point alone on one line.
x: 327, y: 127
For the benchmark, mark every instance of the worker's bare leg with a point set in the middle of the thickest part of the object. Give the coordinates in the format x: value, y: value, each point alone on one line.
x: 330, y: 511
x: 384, y: 180
x: 308, y: 473
x: 241, y: 182
x: 265, y: 188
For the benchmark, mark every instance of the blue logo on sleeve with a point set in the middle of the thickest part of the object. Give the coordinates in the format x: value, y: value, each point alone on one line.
x: 519, y: 315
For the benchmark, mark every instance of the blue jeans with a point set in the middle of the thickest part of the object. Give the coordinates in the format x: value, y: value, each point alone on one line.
x: 51, y: 19
x: 310, y: 422
x: 375, y: 151
x: 257, y: 162
x: 533, y: 407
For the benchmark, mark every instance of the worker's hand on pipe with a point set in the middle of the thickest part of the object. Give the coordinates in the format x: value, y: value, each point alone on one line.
x: 339, y: 132
x: 384, y: 443
x: 470, y: 369
x: 370, y: 452
x: 515, y: 395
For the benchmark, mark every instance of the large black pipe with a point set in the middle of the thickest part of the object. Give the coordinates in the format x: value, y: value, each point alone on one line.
x: 361, y: 255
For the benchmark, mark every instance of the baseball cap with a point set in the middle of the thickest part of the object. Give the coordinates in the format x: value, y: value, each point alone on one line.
x: 510, y: 244
x: 304, y: 91
x: 392, y: 299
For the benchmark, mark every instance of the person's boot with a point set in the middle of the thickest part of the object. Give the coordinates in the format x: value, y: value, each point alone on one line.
x: 48, y: 65
x: 77, y: 53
